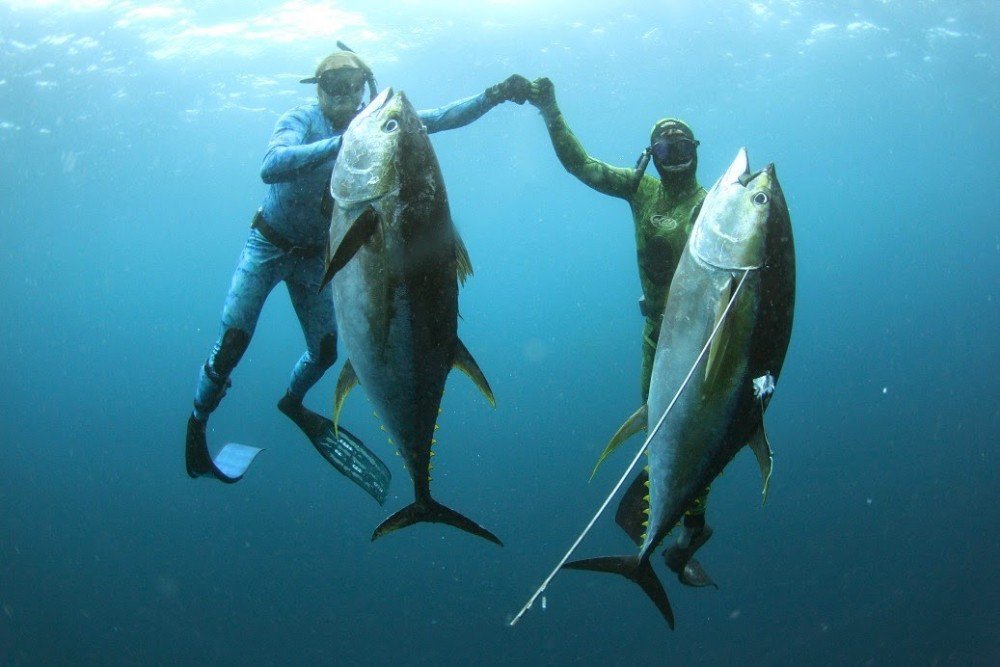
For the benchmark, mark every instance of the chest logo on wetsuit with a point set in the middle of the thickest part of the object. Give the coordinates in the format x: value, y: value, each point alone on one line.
x: 663, y: 221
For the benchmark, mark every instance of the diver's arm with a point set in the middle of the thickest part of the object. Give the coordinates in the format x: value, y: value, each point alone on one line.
x: 287, y: 155
x: 457, y: 114
x: 615, y: 181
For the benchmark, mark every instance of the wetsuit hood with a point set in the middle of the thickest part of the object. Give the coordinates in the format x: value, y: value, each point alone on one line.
x: 677, y: 171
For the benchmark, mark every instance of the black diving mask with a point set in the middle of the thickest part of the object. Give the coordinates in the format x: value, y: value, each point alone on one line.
x: 336, y: 83
x: 673, y: 151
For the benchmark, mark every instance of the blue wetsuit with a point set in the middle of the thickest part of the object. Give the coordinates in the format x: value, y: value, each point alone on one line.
x: 296, y: 169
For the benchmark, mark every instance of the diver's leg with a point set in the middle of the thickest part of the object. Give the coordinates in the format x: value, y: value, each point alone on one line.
x: 257, y: 272
x: 314, y: 309
x: 335, y: 443
x: 694, y: 532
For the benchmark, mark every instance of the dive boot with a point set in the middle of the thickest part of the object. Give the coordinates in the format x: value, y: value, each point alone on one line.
x: 679, y: 556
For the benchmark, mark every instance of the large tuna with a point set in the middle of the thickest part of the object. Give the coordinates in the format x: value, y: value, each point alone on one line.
x: 395, y: 262
x: 743, y: 230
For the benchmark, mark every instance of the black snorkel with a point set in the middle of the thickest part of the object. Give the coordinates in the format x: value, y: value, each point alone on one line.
x: 640, y: 165
x: 369, y: 76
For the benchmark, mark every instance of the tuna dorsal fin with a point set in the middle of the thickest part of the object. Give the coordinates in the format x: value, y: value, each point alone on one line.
x: 631, y: 510
x: 347, y: 380
x: 632, y: 425
x: 465, y: 363
x: 717, y: 353
x: 762, y: 450
x: 359, y: 232
x: 462, y: 261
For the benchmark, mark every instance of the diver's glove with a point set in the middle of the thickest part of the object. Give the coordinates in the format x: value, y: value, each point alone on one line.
x: 542, y: 94
x: 514, y: 88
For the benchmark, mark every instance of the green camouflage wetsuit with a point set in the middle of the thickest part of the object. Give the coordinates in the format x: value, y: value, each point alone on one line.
x: 663, y: 218
x: 663, y: 211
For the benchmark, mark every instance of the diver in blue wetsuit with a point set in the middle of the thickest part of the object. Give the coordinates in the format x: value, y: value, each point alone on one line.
x: 287, y: 243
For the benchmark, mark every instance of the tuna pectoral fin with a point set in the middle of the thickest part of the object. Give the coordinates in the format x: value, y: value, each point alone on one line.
x: 762, y: 450
x: 465, y: 363
x: 632, y: 425
x: 631, y: 515
x: 639, y: 571
x: 717, y: 353
x: 347, y: 380
x: 355, y: 237
x: 431, y: 511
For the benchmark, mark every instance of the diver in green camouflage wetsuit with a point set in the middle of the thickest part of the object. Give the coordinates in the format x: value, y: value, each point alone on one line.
x: 664, y: 210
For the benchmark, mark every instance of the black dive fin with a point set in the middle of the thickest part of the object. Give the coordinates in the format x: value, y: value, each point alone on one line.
x: 640, y: 572
x: 465, y: 363
x: 228, y: 466
x: 431, y: 511
x: 342, y: 449
x: 694, y: 575
x: 635, y: 423
x: 681, y: 560
x: 631, y: 516
x: 355, y: 237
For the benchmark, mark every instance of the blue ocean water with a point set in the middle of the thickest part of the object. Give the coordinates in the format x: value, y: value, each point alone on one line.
x: 130, y: 143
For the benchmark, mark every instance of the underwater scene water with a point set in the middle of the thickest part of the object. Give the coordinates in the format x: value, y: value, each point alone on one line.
x: 131, y: 139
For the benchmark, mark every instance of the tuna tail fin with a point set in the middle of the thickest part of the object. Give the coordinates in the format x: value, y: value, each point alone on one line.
x: 635, y: 570
x: 431, y: 511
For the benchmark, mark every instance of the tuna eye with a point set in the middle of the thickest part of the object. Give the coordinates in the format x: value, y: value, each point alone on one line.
x: 760, y: 198
x: 391, y: 125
